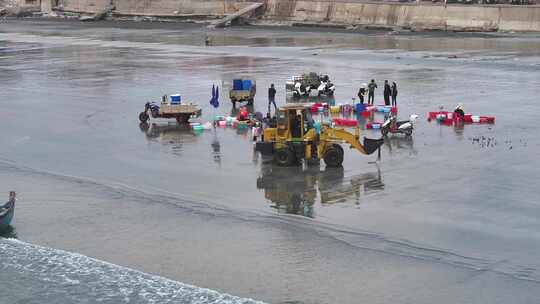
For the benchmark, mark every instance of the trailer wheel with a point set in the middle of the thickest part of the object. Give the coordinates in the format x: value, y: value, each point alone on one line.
x: 284, y: 157
x: 183, y: 118
x: 143, y: 117
x: 333, y: 158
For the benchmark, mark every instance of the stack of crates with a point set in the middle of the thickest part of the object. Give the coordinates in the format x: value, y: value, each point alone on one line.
x: 237, y: 84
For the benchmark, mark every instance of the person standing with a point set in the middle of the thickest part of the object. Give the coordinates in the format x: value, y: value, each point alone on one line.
x: 296, y: 126
x: 394, y: 94
x: 458, y: 111
x: 371, y: 91
x: 272, y: 97
x: 256, y: 131
x: 387, y: 92
x: 362, y: 93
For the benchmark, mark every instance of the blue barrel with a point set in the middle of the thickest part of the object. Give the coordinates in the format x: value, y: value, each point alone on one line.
x: 237, y: 84
x: 360, y: 107
x: 246, y: 85
x: 175, y: 99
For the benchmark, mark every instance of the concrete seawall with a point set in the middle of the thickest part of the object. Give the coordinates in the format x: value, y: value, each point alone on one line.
x: 187, y: 7
x: 343, y: 12
x: 155, y: 7
x: 421, y: 17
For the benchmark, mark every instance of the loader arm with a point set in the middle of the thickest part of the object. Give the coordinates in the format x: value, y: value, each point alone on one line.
x: 337, y: 134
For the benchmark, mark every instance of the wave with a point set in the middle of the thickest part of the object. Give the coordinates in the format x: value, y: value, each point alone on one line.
x: 74, y: 277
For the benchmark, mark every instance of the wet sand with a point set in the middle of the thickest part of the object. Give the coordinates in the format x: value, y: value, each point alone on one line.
x: 441, y: 217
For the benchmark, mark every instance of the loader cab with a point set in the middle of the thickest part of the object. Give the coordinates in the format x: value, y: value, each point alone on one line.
x: 294, y: 121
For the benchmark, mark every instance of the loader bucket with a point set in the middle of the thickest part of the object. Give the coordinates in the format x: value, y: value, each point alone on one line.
x: 371, y: 145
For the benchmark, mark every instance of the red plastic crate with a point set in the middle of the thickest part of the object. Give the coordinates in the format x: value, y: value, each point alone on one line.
x: 350, y: 122
x: 448, y: 121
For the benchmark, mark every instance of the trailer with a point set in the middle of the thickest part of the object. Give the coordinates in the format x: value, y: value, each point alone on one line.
x: 182, y: 112
x: 302, y: 86
x: 243, y: 90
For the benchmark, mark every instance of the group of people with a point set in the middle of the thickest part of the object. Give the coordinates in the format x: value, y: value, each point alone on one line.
x: 258, y: 125
x: 390, y: 93
x: 256, y: 121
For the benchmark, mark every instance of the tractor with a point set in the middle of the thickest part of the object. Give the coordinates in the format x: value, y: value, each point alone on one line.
x: 295, y: 138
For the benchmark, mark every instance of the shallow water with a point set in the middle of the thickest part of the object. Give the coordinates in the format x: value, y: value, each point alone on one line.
x: 441, y: 217
x: 61, y: 277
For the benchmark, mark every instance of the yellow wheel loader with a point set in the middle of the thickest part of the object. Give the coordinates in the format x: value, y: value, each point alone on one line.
x: 295, y: 138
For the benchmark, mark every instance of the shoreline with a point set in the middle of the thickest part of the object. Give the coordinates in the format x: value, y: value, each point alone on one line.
x: 146, y: 22
x: 344, y: 14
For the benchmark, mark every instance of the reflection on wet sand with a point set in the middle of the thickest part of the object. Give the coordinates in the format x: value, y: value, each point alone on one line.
x: 216, y: 149
x: 399, y: 144
x: 173, y: 134
x: 295, y: 191
x: 459, y: 128
x: 334, y: 187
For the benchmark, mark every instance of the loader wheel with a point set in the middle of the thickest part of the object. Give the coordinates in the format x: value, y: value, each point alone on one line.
x: 143, y: 117
x: 284, y: 157
x: 333, y: 158
x: 339, y: 149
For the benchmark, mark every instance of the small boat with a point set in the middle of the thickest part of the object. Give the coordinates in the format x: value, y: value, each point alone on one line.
x: 448, y: 118
x: 7, y: 211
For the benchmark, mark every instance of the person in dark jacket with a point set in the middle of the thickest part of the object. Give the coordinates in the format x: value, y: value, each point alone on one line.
x: 394, y: 94
x: 362, y: 93
x: 296, y: 127
x: 371, y: 91
x: 387, y: 92
x: 272, y: 97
